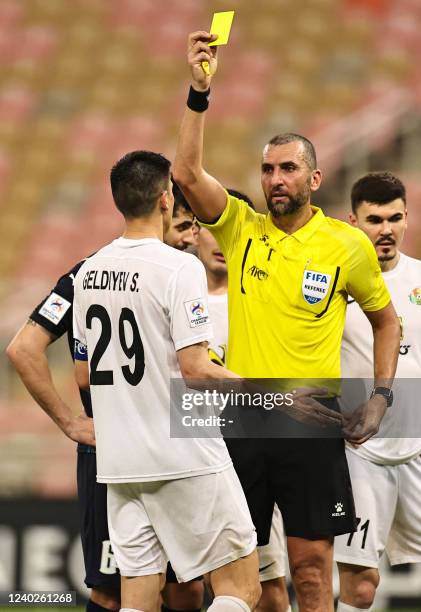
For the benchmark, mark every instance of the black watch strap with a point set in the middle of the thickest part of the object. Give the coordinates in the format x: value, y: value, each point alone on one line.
x: 386, y: 392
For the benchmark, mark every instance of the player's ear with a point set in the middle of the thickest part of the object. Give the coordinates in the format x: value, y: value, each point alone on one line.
x: 316, y: 179
x: 353, y: 219
x: 164, y: 201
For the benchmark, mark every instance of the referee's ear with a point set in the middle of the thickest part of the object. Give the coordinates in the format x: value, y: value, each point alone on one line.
x: 316, y: 179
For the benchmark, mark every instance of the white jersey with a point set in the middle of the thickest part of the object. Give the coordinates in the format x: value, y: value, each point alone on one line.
x: 136, y: 303
x: 404, y: 284
x: 218, y: 310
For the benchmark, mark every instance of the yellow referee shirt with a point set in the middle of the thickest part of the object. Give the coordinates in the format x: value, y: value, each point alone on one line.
x: 287, y: 294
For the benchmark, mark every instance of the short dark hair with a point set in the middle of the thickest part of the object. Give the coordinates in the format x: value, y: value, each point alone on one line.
x: 241, y: 196
x: 309, y: 150
x: 137, y: 180
x: 377, y: 187
x: 180, y: 202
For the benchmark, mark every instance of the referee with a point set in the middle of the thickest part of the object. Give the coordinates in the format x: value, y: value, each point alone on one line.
x: 290, y: 272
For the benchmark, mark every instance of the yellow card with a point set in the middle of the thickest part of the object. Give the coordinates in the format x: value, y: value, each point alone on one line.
x: 221, y: 25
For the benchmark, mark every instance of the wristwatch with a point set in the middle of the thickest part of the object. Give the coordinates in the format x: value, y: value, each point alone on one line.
x: 386, y: 392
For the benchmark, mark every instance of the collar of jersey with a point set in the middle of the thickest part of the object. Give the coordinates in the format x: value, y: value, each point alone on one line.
x: 131, y: 242
x: 304, y: 233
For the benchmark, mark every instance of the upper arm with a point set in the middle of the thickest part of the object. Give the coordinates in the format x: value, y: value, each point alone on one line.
x: 384, y: 317
x: 365, y: 282
x: 206, y: 196
x: 31, y: 338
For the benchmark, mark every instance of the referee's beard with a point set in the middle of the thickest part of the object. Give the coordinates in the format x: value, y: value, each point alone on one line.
x: 292, y: 205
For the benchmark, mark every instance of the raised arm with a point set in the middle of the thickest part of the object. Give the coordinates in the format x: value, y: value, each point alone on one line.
x: 28, y: 354
x: 204, y: 193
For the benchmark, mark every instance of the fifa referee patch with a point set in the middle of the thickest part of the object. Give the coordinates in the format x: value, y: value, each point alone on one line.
x: 54, y: 308
x: 197, y: 312
x: 315, y: 286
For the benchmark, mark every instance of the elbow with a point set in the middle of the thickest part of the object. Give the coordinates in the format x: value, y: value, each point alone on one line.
x: 395, y: 324
x: 194, y: 370
x: 10, y: 352
x: 82, y: 381
x: 188, y: 371
x: 82, y: 384
x: 14, y: 352
x: 81, y: 372
x: 398, y: 330
x: 184, y: 176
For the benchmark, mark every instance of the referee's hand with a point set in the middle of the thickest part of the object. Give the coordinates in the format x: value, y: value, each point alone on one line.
x: 81, y: 429
x: 198, y: 52
x: 306, y: 409
x: 364, y: 422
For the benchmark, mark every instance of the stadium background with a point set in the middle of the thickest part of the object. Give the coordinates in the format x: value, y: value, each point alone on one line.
x: 84, y: 81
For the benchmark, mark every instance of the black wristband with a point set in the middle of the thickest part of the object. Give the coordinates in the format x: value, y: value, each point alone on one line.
x: 198, y: 101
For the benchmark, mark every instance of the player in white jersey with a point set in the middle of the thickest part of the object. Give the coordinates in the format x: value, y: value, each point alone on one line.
x: 140, y: 315
x: 386, y: 470
x: 272, y: 557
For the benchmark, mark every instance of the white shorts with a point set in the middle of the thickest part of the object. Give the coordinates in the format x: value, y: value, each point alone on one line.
x: 198, y: 524
x: 388, y: 507
x: 273, y: 556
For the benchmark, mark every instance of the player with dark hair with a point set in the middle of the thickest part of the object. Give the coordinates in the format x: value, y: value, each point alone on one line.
x: 183, y: 231
x: 50, y: 320
x: 378, y: 188
x: 290, y: 272
x: 386, y: 470
x: 140, y: 318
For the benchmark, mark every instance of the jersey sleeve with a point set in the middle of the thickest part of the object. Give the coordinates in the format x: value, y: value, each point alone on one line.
x: 226, y: 229
x: 188, y: 305
x: 54, y: 313
x: 80, y: 352
x: 365, y: 281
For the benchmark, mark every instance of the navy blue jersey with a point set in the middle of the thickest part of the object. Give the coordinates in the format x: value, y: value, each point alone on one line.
x: 55, y: 314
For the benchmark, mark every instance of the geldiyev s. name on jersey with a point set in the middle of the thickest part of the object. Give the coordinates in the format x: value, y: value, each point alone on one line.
x: 111, y: 280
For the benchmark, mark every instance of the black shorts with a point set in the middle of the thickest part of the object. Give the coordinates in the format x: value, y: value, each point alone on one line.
x: 308, y: 478
x: 96, y: 546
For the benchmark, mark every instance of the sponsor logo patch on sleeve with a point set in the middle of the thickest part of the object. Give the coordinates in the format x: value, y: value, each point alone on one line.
x: 54, y: 308
x: 197, y: 312
x: 80, y: 351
